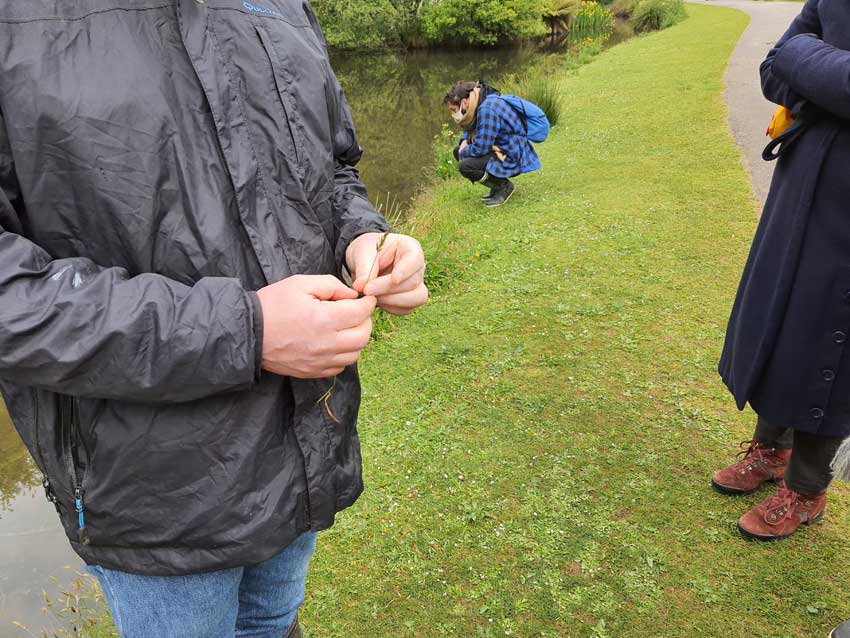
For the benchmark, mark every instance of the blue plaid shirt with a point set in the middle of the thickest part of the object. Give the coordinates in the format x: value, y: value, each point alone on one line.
x: 497, y: 124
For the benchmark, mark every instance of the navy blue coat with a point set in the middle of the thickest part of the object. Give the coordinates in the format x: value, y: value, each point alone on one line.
x: 786, y: 350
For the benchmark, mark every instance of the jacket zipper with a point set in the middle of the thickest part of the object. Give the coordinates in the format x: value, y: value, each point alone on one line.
x: 70, y: 441
x: 49, y: 492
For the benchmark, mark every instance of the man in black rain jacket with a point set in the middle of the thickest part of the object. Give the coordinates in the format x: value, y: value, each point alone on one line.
x: 178, y: 202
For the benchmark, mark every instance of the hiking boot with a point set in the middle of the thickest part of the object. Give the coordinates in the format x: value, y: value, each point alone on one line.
x: 501, y: 194
x: 295, y: 630
x: 782, y: 514
x: 758, y: 466
x: 842, y: 631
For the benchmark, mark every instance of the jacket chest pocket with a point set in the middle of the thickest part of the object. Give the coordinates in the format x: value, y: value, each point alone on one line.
x: 282, y: 83
x: 304, y: 86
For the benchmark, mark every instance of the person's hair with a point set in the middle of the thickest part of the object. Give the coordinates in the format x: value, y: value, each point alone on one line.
x: 459, y: 92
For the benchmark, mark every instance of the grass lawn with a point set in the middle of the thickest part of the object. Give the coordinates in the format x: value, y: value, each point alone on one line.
x: 538, y: 442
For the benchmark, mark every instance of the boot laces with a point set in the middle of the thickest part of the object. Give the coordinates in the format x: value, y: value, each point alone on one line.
x: 752, y: 453
x: 781, y: 506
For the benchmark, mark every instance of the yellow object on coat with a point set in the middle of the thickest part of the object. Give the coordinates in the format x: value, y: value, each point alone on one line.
x: 781, y: 122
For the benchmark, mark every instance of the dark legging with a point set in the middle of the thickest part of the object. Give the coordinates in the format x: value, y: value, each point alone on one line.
x: 808, y: 470
x: 474, y: 168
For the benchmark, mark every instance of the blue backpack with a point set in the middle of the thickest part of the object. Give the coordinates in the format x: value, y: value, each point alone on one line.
x: 536, y: 123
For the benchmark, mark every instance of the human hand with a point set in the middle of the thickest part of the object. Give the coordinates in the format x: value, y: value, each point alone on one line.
x: 314, y: 326
x: 463, y: 144
x: 395, y: 274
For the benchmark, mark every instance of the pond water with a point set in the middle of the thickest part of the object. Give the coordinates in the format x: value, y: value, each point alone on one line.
x: 396, y: 100
x: 34, y: 553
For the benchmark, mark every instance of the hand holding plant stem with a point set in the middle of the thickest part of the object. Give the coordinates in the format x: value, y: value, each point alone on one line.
x: 380, y: 246
x: 325, y: 398
x: 390, y: 267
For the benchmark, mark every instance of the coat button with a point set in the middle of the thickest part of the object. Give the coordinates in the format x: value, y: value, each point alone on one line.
x: 816, y: 413
x: 828, y: 375
x: 839, y: 337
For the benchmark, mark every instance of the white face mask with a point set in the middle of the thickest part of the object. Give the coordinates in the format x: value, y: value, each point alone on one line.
x: 460, y: 114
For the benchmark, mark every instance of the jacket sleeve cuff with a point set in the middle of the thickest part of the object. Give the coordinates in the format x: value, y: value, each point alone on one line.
x: 257, y: 325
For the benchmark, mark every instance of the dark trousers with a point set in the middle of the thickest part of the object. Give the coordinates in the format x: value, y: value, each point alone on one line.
x: 475, y: 168
x: 808, y: 470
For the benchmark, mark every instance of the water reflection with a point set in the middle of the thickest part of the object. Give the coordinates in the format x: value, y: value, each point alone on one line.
x: 33, y: 547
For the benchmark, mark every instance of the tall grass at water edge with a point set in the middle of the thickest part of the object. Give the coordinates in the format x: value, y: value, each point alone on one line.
x: 591, y: 21
x: 650, y: 15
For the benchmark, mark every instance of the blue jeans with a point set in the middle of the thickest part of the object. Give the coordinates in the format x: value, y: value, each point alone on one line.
x: 257, y: 602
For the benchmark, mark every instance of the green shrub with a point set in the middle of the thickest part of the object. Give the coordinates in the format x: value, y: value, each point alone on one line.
x: 360, y: 24
x: 481, y: 22
x: 653, y: 15
x: 624, y: 8
x: 561, y: 8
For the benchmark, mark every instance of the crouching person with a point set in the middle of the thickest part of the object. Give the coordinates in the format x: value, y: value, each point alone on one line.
x: 495, y: 145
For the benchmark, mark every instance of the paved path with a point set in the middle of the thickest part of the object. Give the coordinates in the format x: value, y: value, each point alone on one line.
x: 749, y: 112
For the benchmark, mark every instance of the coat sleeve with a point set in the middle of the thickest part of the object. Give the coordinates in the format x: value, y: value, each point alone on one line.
x: 774, y: 87
x: 485, y: 133
x: 353, y: 213
x: 817, y: 71
x: 77, y: 328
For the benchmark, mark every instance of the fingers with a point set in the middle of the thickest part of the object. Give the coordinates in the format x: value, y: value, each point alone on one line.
x: 404, y: 303
x: 400, y: 252
x: 348, y: 313
x: 327, y: 288
x: 354, y: 339
x: 339, y: 363
x: 365, y: 264
x: 407, y: 261
x: 326, y: 373
x: 385, y: 285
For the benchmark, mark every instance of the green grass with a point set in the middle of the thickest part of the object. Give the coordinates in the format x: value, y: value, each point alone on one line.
x: 538, y: 441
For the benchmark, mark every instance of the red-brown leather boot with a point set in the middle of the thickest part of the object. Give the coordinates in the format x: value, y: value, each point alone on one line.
x: 782, y: 514
x: 758, y: 466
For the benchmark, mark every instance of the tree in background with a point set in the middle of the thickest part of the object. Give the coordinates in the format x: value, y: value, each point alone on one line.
x: 481, y: 22
x: 362, y: 24
x: 558, y: 13
x: 376, y: 24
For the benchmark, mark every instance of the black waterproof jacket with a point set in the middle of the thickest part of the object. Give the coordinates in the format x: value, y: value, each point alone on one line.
x: 160, y: 160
